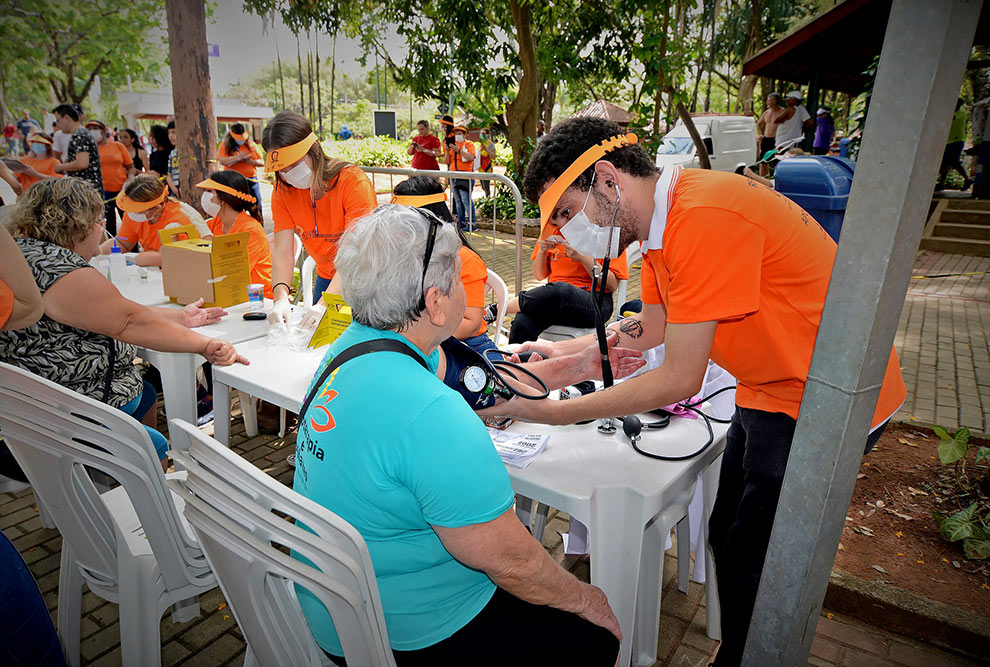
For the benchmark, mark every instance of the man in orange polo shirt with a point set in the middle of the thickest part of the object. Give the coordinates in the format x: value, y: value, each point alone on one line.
x: 460, y: 157
x: 732, y: 271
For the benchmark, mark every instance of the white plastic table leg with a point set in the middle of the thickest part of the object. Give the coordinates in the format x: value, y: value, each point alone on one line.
x: 540, y: 521
x: 178, y: 371
x: 713, y: 619
x: 616, y: 527
x: 647, y: 622
x: 249, y: 411
x: 524, y: 510
x: 683, y: 553
x: 221, y: 412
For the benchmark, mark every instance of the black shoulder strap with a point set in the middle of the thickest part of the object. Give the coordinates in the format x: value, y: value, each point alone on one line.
x: 376, y: 345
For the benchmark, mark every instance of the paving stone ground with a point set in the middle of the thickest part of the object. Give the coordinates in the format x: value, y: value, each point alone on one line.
x: 944, y: 356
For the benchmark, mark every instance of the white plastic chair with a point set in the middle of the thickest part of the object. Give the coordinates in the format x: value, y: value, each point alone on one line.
x: 231, y: 505
x: 560, y: 332
x: 130, y: 544
x: 497, y: 285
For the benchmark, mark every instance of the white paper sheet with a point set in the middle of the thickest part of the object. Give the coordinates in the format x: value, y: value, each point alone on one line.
x: 517, y: 449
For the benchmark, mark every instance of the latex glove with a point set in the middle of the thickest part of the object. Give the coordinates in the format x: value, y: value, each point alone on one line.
x: 313, y: 315
x: 281, y: 310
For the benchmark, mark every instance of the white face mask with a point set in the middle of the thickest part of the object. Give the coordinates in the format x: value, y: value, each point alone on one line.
x: 588, y: 238
x: 97, y: 135
x: 459, y: 138
x: 298, y: 176
x: 38, y: 149
x: 209, y: 207
x: 138, y: 217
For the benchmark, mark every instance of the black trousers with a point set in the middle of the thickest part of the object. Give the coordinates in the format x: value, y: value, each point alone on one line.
x: 554, y: 303
x: 510, y: 631
x: 757, y: 446
x: 110, y: 211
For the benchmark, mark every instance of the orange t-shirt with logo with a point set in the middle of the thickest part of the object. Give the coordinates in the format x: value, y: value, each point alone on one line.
x: 145, y: 232
x: 320, y: 224
x: 6, y: 302
x: 43, y: 165
x: 474, y: 275
x: 454, y: 161
x: 563, y: 269
x: 259, y: 252
x: 737, y: 252
x: 245, y: 169
x: 114, y: 161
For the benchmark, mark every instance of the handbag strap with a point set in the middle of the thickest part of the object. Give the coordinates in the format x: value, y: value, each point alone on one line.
x: 354, y: 351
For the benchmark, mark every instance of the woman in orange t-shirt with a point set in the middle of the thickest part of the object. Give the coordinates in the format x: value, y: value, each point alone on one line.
x: 427, y: 193
x: 238, y: 153
x: 316, y: 197
x: 147, y: 210
x: 117, y: 167
x: 228, y: 198
x: 40, y: 162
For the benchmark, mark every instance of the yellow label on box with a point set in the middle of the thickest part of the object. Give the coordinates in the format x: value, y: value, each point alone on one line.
x: 334, y: 320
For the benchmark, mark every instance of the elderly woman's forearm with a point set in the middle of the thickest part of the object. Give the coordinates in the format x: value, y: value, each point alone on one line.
x: 535, y: 577
x: 145, y: 327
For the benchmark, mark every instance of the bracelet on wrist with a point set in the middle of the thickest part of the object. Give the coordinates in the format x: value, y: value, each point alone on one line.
x: 288, y: 288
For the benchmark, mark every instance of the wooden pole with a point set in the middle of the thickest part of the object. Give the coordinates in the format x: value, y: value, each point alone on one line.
x: 302, y: 93
x: 192, y: 97
x: 333, y: 79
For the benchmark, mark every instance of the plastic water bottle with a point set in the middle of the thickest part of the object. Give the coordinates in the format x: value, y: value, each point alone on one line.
x: 118, y: 265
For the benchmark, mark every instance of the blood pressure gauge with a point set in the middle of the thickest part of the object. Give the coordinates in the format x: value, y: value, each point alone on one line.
x: 474, y: 379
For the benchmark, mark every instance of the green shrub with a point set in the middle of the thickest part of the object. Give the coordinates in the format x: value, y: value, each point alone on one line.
x: 377, y: 151
x: 505, y: 207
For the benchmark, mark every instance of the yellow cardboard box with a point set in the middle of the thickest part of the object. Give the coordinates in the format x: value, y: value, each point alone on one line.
x: 336, y: 318
x: 215, y: 270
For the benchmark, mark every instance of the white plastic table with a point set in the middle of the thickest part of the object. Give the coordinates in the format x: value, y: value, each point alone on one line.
x: 277, y: 375
x: 628, y: 502
x: 178, y: 369
x: 146, y: 291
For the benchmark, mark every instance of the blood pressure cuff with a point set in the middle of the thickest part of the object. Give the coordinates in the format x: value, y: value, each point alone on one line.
x: 459, y: 358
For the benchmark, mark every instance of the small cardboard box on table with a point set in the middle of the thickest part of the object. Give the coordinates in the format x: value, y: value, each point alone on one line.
x: 215, y: 270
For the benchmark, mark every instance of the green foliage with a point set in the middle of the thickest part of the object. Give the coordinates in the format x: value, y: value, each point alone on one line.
x: 952, y: 447
x: 373, y: 152
x: 968, y: 524
x: 68, y: 44
x: 505, y: 207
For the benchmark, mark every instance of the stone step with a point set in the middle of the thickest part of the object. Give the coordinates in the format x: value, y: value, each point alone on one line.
x: 957, y: 230
x: 968, y: 216
x: 969, y: 204
x: 957, y: 246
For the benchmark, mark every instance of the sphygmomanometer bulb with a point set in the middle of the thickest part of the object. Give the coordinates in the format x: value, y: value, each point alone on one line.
x: 632, y: 427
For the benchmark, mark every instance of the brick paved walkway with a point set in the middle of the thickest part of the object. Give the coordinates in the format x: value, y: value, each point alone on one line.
x: 942, y: 342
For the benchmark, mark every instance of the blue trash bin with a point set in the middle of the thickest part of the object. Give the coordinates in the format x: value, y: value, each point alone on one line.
x: 820, y: 185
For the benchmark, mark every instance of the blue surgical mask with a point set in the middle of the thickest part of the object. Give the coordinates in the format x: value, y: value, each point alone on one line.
x: 39, y: 149
x: 590, y: 239
x: 240, y: 142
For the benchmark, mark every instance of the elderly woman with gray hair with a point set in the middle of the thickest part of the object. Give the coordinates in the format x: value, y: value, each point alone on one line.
x: 391, y: 449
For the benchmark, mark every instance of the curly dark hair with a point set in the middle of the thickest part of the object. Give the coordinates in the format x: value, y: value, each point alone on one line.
x: 567, y: 141
x: 160, y: 134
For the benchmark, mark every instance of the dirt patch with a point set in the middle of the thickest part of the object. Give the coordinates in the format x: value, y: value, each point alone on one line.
x: 890, y: 525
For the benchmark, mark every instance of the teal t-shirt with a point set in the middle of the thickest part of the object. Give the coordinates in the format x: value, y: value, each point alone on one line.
x: 393, y: 451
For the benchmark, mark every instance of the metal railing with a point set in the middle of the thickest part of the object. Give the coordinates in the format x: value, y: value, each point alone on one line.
x: 479, y: 176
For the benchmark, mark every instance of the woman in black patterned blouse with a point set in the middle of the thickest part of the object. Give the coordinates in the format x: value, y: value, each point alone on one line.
x: 85, y: 340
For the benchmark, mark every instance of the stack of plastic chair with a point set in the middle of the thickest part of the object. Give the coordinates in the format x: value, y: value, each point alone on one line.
x: 129, y: 544
x: 495, y: 284
x: 240, y: 514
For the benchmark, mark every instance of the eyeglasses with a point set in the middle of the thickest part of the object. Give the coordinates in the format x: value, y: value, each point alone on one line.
x: 431, y: 239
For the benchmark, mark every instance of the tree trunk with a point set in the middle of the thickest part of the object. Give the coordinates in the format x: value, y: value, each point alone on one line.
x: 319, y: 93
x: 661, y: 56
x: 302, y: 92
x: 333, y: 79
x: 754, y: 40
x: 699, y: 144
x: 309, y: 77
x: 548, y: 97
x: 522, y: 113
x: 278, y: 57
x: 192, y: 99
